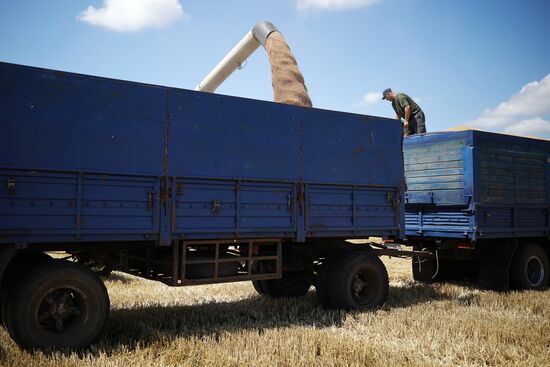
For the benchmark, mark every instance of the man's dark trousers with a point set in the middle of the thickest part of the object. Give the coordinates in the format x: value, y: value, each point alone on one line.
x: 417, y: 124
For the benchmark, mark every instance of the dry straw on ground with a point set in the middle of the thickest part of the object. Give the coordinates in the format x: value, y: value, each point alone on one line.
x: 229, y: 325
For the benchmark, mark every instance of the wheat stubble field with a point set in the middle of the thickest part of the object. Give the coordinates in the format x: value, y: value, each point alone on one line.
x: 229, y: 325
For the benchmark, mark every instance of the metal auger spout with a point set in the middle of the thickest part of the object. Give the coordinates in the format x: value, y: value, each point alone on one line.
x: 237, y: 56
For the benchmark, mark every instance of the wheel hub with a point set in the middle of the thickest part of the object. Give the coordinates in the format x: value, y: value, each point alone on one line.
x: 58, y: 309
x: 535, y: 271
x: 358, y: 285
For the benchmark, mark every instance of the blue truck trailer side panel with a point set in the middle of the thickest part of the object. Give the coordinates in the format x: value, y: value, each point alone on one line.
x: 92, y: 159
x: 479, y: 185
x: 66, y: 121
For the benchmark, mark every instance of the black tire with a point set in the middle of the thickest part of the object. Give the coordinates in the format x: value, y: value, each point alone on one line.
x: 292, y: 284
x: 322, y: 281
x: 358, y: 281
x: 57, y: 305
x: 258, y: 286
x: 26, y: 261
x: 530, y: 268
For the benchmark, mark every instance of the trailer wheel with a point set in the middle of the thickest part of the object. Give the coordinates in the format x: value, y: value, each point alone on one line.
x: 59, y: 304
x: 530, y: 268
x: 258, y: 286
x: 292, y: 284
x: 322, y: 282
x: 21, y: 260
x: 358, y: 281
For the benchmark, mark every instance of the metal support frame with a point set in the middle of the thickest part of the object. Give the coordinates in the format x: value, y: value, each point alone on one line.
x: 180, y: 267
x: 383, y: 250
x: 174, y: 271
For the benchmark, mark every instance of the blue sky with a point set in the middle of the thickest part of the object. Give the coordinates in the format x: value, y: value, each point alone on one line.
x: 481, y: 63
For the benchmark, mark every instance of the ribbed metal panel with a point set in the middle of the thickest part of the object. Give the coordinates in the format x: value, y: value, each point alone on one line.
x: 434, y: 171
x: 47, y: 204
x: 218, y: 208
x: 351, y: 209
x: 426, y: 221
x: 84, y: 158
x: 512, y: 174
x: 504, y: 188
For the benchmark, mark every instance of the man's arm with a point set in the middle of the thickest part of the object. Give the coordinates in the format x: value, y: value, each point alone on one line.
x: 407, y: 115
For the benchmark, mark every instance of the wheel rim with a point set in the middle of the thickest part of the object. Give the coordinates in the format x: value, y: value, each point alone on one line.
x: 61, y: 311
x: 534, y: 271
x: 362, y: 288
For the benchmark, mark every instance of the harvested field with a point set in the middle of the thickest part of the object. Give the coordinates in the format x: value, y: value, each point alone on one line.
x: 229, y: 325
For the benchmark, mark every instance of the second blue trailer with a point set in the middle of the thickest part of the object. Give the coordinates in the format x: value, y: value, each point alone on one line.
x: 481, y: 201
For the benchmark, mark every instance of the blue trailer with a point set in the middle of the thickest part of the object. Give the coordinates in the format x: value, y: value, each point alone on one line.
x: 481, y: 202
x: 185, y: 188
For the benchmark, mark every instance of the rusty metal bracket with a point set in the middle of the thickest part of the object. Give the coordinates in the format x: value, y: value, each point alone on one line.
x: 10, y: 186
x: 151, y: 196
x: 215, y: 207
x: 289, y: 203
x: 300, y: 196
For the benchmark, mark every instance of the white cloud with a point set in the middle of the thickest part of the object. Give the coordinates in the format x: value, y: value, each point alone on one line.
x: 533, y: 127
x: 370, y: 99
x: 333, y: 4
x: 522, y: 114
x: 420, y: 100
x: 133, y: 15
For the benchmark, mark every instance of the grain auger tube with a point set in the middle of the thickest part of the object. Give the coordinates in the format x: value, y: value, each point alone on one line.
x: 288, y: 82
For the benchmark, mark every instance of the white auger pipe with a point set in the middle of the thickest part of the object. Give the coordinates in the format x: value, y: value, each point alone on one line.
x: 236, y: 57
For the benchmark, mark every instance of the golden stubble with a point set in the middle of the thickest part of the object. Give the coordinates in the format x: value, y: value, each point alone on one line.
x: 229, y: 325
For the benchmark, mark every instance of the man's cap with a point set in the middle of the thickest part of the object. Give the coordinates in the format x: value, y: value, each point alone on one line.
x: 386, y: 91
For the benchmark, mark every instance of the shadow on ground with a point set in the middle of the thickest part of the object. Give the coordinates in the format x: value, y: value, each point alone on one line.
x: 139, y: 327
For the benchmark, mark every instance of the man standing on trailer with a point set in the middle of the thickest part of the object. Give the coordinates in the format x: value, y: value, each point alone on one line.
x: 405, y: 107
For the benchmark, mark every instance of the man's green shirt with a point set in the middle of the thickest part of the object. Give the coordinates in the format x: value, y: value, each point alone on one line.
x: 401, y: 101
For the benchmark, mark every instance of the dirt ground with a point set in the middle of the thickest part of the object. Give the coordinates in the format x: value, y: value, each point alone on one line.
x: 230, y: 325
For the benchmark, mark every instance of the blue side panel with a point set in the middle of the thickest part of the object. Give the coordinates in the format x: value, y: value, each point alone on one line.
x: 347, y: 148
x: 224, y: 208
x: 513, y: 186
x: 439, y: 179
x: 80, y: 157
x: 43, y: 206
x: 335, y: 211
x: 512, y: 171
x: 438, y: 222
x: 217, y: 136
x: 504, y: 191
x: 434, y: 168
x: 496, y: 221
x: 280, y: 146
x: 118, y: 203
x: 84, y: 158
x: 38, y: 201
x: 55, y: 120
